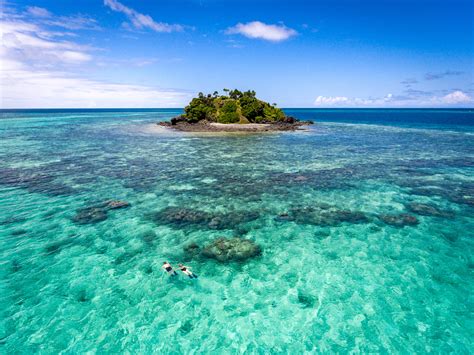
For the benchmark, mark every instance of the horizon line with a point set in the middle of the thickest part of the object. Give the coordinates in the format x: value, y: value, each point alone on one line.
x: 283, y: 108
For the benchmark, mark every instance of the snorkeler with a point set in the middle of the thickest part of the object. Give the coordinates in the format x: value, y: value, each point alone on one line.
x: 169, y: 269
x: 186, y: 271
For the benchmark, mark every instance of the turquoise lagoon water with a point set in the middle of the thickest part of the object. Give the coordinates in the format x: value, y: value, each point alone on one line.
x: 334, y: 276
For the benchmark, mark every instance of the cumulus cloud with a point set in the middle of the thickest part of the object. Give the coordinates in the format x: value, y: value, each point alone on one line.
x: 260, y: 30
x: 331, y: 100
x: 141, y: 21
x: 436, y: 76
x: 417, y: 99
x: 456, y: 97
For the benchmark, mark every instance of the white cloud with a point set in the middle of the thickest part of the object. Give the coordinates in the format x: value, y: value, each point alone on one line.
x: 455, y: 98
x: 331, y: 100
x: 39, y: 70
x: 29, y: 42
x: 37, y: 11
x: 141, y: 21
x: 76, y: 22
x: 328, y: 101
x: 23, y: 87
x: 260, y: 30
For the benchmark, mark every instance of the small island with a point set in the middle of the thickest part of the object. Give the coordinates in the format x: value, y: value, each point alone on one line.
x: 234, y: 111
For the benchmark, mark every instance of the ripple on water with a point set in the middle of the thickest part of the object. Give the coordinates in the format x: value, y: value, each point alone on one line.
x: 365, y: 237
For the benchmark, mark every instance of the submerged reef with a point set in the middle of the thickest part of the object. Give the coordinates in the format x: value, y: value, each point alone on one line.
x: 429, y: 210
x: 97, y: 213
x: 225, y: 249
x: 459, y: 192
x: 231, y: 249
x: 234, y: 111
x: 34, y: 181
x: 323, y: 215
x: 399, y: 220
x: 89, y: 215
x: 178, y: 217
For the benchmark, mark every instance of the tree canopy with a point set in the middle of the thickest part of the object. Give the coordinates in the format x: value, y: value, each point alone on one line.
x: 232, y: 107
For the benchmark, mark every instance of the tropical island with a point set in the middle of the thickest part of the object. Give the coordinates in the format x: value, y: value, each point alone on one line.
x: 234, y: 111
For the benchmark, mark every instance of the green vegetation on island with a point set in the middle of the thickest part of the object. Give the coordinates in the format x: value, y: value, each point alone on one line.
x: 233, y: 111
x: 233, y: 106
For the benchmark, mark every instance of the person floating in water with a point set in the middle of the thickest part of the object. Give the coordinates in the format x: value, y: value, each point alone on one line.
x: 187, y: 271
x: 169, y: 269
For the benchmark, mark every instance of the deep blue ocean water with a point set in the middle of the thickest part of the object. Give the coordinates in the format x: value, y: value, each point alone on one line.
x: 365, y: 221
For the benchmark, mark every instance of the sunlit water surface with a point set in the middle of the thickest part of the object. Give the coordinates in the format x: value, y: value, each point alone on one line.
x: 326, y: 281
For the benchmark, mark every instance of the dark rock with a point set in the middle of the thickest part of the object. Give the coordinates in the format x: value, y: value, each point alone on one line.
x: 428, y: 210
x: 175, y: 120
x: 399, y: 220
x: 180, y: 123
x: 16, y: 266
x: 90, y: 215
x: 290, y: 119
x: 82, y: 296
x: 294, y: 120
x: 192, y: 250
x: 231, y: 249
x: 306, y: 299
x: 282, y: 217
x: 186, y: 327
x: 53, y: 249
x: 18, y: 232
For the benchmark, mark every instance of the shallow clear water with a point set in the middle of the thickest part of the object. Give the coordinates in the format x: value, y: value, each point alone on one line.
x: 333, y: 275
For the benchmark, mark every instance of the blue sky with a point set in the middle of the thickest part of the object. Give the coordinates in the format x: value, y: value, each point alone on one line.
x: 123, y: 53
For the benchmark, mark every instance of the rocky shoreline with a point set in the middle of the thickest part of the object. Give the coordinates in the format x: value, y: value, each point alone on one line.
x: 290, y: 124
